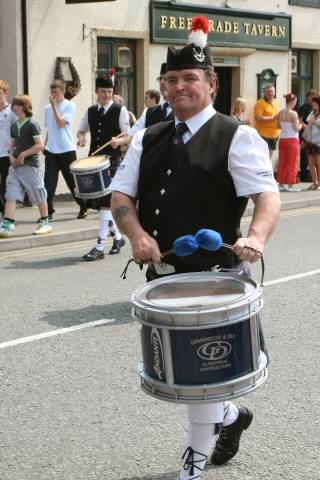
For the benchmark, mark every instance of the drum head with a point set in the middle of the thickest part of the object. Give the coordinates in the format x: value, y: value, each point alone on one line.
x: 197, y: 298
x: 98, y: 161
x: 217, y: 291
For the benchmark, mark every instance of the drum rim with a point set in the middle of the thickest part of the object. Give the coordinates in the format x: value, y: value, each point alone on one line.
x: 93, y: 169
x: 258, y: 378
x: 140, y: 301
x: 197, y: 325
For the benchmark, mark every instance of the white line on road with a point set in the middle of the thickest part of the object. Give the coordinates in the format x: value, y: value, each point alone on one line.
x: 292, y: 277
x: 53, y: 333
x: 62, y: 331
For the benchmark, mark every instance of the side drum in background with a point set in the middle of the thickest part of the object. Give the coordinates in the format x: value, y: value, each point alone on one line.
x: 200, y: 337
x: 91, y: 176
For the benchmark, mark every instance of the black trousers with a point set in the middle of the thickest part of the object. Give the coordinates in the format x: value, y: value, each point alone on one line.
x: 55, y: 163
x: 4, y: 168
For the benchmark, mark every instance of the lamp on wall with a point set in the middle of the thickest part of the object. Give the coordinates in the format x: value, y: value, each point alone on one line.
x: 124, y: 57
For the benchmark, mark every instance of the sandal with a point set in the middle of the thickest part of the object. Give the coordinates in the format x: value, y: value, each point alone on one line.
x: 312, y: 187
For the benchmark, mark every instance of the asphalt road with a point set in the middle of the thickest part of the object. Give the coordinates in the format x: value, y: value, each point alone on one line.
x: 70, y: 404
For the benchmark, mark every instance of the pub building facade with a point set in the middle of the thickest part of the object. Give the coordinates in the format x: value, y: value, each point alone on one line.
x: 253, y: 43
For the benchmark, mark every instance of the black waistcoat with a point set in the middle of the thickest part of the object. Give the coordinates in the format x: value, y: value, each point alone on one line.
x: 155, y: 115
x: 179, y: 198
x: 102, y: 129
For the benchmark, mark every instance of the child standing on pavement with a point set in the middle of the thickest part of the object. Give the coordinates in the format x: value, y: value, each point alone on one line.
x: 25, y: 172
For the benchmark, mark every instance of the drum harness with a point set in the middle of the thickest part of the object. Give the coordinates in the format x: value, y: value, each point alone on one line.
x: 216, y: 268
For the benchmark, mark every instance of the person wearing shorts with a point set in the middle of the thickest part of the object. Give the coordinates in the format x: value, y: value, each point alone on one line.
x: 25, y: 172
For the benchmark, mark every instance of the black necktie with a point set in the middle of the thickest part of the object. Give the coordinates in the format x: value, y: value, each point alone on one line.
x: 177, y: 146
x: 164, y: 109
x: 101, y: 112
x: 181, y: 128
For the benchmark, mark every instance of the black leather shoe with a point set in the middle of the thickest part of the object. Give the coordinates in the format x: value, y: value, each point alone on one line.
x: 93, y: 255
x: 117, y: 245
x: 82, y: 213
x: 229, y: 438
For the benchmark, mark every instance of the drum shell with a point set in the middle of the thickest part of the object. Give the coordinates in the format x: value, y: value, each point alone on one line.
x: 203, y: 354
x: 92, y: 182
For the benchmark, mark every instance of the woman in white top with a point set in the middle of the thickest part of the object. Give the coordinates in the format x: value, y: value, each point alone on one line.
x: 289, y: 145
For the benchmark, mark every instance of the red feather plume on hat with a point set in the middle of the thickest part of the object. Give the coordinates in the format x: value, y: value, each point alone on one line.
x: 200, y: 23
x: 199, y: 31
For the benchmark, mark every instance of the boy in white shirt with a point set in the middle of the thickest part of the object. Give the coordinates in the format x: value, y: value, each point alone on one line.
x: 7, y: 118
x: 60, y: 149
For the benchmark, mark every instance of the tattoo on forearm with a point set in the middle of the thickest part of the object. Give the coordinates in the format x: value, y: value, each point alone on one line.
x: 122, y: 211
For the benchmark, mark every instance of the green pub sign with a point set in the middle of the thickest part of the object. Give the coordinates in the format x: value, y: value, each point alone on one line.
x: 171, y: 21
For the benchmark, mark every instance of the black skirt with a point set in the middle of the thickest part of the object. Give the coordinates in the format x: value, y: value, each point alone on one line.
x: 312, y: 149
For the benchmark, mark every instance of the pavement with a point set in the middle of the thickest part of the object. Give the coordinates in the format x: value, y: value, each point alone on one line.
x: 68, y: 229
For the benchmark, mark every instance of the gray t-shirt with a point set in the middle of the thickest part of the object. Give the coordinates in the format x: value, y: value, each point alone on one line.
x: 24, y: 135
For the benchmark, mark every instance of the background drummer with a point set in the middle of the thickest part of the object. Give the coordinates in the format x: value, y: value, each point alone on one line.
x: 192, y: 191
x: 159, y: 113
x: 105, y: 120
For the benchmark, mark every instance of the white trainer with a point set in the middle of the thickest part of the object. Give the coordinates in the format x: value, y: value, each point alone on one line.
x: 6, y: 228
x: 43, y: 228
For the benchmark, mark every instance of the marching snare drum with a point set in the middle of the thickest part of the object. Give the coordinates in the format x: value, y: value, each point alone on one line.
x: 91, y: 176
x: 200, y: 337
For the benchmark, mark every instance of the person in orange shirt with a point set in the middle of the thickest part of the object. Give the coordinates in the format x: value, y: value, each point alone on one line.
x: 265, y: 112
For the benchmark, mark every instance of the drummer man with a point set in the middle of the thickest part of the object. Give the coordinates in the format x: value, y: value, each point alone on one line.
x: 105, y: 121
x: 192, y: 191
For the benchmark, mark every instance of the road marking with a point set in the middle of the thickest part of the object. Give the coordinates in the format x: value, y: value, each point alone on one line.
x: 53, y: 333
x: 62, y: 331
x: 292, y: 277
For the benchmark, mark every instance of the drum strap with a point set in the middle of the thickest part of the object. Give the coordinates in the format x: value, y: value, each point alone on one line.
x: 124, y: 273
x: 189, y: 461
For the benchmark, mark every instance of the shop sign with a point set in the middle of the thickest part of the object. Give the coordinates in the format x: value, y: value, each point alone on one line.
x: 227, y: 27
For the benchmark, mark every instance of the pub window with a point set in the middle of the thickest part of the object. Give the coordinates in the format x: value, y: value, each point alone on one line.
x: 305, y: 3
x: 120, y: 55
x: 302, y: 73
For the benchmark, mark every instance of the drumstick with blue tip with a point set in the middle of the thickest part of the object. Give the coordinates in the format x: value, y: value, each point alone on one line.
x: 182, y: 247
x: 212, y: 240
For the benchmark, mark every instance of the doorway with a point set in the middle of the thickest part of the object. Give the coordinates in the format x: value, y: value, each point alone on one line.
x: 223, y: 99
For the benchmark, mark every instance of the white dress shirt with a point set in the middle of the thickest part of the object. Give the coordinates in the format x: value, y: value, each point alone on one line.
x: 248, y: 162
x: 124, y: 124
x: 141, y: 122
x: 7, y: 118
